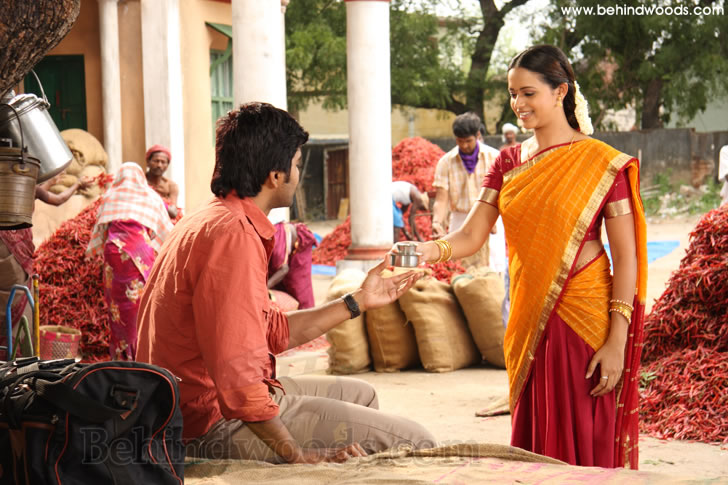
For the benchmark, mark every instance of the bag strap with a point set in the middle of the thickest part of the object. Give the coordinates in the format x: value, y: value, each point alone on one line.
x: 75, y: 403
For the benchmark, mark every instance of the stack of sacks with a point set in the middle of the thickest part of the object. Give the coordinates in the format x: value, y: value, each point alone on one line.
x: 89, y: 160
x: 443, y: 339
x: 392, y: 338
x: 439, y: 326
x: 480, y: 297
x: 349, y: 351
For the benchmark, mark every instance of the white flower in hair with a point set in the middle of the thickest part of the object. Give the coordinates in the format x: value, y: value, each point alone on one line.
x: 582, y: 111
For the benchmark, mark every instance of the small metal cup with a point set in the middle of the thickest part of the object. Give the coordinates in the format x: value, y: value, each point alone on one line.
x: 406, y: 255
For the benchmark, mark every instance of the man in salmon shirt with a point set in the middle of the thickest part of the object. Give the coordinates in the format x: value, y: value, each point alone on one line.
x: 205, y: 315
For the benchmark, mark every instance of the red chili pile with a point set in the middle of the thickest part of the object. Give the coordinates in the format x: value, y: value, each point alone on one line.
x: 71, y: 286
x: 334, y: 246
x: 686, y: 342
x: 413, y: 160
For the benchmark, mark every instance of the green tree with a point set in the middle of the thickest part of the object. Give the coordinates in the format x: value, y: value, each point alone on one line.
x: 662, y: 65
x: 436, y: 63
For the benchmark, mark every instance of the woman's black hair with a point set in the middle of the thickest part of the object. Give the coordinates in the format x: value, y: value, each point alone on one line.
x: 554, y: 68
x: 252, y: 142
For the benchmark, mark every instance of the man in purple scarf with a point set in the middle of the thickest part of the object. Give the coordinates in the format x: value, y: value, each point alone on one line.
x: 459, y: 174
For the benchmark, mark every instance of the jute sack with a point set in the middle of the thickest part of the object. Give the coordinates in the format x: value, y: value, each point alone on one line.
x: 480, y: 298
x: 349, y: 351
x: 91, y: 150
x: 74, y: 168
x: 443, y: 339
x: 66, y: 180
x: 392, y: 338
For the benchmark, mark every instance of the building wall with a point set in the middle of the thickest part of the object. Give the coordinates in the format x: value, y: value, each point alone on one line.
x: 197, y: 39
x: 83, y: 39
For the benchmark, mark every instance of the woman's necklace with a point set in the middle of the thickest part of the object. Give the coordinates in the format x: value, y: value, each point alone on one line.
x: 528, y: 148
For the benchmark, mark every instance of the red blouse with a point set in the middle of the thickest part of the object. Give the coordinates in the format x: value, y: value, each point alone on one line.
x: 510, y: 158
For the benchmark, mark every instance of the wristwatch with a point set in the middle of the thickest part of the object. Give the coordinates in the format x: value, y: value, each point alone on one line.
x: 352, y: 305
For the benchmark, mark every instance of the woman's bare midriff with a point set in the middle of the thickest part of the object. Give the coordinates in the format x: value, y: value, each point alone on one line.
x: 590, y: 251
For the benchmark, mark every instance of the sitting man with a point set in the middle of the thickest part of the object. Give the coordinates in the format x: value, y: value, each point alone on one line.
x: 205, y: 315
x: 158, y: 158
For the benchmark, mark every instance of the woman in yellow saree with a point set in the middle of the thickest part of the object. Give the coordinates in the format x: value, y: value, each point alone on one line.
x: 574, y: 335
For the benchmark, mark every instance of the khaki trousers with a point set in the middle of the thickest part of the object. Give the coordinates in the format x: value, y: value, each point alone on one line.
x: 319, y: 412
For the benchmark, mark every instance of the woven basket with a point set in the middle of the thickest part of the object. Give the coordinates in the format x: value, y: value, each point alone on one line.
x: 59, y: 342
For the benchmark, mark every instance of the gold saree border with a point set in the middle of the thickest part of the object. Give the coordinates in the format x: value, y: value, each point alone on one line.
x: 534, y: 160
x: 567, y: 262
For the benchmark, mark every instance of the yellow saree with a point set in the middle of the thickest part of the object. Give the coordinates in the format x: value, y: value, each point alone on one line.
x: 547, y: 205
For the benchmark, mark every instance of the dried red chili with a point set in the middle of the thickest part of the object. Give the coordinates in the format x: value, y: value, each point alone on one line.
x: 686, y: 342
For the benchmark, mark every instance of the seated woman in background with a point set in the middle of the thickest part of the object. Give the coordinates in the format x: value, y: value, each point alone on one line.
x: 131, y: 226
x: 289, y: 268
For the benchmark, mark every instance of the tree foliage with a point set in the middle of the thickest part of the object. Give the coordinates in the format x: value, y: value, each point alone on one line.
x: 436, y: 63
x: 662, y: 65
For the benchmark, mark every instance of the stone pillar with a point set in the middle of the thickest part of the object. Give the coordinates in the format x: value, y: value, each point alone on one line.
x: 161, y: 61
x: 259, y: 59
x: 111, y: 81
x: 370, y: 131
x: 259, y: 52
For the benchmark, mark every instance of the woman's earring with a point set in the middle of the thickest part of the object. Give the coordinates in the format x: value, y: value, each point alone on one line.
x: 559, y: 103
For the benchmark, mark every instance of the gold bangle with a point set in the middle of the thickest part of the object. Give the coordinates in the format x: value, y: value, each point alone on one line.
x: 621, y: 306
x: 445, y: 250
x: 628, y: 305
x: 449, y: 249
x: 626, y: 315
x: 439, y: 249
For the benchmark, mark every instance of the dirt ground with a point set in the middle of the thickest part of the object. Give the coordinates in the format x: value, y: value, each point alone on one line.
x: 446, y: 403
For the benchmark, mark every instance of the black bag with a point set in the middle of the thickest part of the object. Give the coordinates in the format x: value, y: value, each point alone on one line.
x: 107, y: 423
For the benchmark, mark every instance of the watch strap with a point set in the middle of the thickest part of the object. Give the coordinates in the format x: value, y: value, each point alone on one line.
x: 352, y: 305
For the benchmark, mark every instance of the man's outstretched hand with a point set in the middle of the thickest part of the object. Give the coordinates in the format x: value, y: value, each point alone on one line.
x: 377, y: 291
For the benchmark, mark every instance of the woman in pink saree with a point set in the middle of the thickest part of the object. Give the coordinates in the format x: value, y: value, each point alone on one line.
x: 289, y: 268
x: 131, y: 226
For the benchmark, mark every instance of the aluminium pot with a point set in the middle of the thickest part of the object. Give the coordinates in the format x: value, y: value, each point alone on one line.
x: 25, y: 120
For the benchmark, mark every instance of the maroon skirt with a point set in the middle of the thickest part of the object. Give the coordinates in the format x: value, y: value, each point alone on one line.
x: 555, y: 415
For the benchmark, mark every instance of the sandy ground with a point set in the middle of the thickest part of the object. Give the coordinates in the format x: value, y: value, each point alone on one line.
x: 446, y: 403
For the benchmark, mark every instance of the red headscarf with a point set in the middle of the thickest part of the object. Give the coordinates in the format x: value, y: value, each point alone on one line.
x: 158, y: 148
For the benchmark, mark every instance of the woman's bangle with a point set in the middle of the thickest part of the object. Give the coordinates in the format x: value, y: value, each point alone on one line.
x: 624, y: 313
x: 621, y: 306
x: 445, y: 250
x: 622, y: 302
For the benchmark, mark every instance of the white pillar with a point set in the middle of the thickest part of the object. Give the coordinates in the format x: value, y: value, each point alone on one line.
x: 111, y: 81
x: 161, y: 61
x: 259, y: 59
x: 259, y: 52
x: 370, y: 132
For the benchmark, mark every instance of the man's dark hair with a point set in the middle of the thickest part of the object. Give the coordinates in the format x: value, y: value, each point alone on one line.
x: 481, y: 130
x: 465, y: 125
x: 252, y: 142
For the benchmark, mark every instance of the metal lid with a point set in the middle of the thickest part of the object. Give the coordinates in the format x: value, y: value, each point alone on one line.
x: 22, y: 104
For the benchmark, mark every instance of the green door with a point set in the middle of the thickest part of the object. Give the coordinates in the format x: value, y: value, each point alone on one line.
x: 63, y: 81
